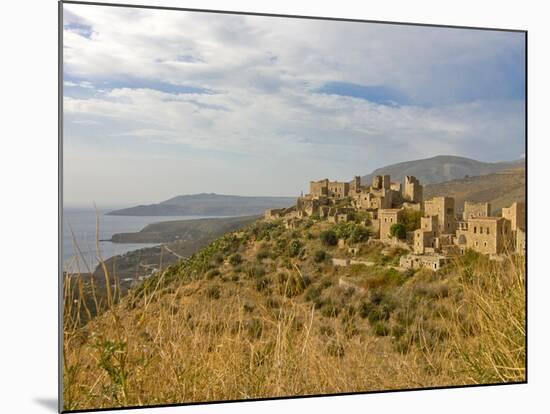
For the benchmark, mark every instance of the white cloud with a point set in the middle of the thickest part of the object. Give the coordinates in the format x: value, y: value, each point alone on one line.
x: 264, y: 73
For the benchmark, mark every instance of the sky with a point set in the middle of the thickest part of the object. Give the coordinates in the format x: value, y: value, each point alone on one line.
x: 158, y: 103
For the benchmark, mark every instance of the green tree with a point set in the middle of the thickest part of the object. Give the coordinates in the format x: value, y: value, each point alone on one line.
x: 411, y: 219
x: 359, y: 234
x: 398, y: 230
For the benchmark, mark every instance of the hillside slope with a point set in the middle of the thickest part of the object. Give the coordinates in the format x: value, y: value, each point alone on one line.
x: 207, y: 205
x: 501, y: 189
x: 441, y: 168
x: 263, y: 312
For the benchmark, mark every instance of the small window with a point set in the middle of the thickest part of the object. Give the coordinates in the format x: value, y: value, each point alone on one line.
x: 485, y: 244
x: 487, y: 230
x: 475, y: 229
x: 477, y: 244
x: 481, y: 230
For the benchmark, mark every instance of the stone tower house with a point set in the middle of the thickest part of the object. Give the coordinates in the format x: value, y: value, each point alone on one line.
x: 413, y: 190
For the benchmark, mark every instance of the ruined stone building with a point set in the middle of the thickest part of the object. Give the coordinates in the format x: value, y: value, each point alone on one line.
x: 432, y: 261
x: 516, y: 215
x: 472, y: 210
x: 444, y: 209
x: 330, y: 189
x: 413, y: 190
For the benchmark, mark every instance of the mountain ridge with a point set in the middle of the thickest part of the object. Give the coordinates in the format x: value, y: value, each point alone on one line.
x: 441, y: 168
x: 207, y: 204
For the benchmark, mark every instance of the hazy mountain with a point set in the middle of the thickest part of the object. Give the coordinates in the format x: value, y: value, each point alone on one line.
x: 500, y: 189
x: 441, y: 168
x: 207, y: 205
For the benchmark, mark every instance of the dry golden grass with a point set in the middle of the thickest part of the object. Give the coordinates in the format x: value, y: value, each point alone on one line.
x: 217, y: 338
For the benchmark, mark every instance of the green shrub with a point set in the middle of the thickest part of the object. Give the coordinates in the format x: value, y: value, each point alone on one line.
x: 312, y: 294
x: 359, y: 234
x: 325, y: 282
x: 365, y: 309
x: 294, y: 248
x: 319, y: 256
x: 329, y: 309
x: 235, y: 259
x: 344, y: 230
x: 378, y: 314
x: 328, y: 238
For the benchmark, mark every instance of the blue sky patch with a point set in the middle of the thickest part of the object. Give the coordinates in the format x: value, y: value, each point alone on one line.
x: 166, y: 87
x: 80, y: 28
x: 379, y: 94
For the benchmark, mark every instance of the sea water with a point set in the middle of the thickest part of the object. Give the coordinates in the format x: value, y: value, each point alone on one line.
x: 82, y: 227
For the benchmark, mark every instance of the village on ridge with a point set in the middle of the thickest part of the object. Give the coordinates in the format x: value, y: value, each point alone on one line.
x: 443, y: 233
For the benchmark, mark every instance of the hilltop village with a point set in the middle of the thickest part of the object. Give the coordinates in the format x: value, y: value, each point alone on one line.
x: 439, y: 234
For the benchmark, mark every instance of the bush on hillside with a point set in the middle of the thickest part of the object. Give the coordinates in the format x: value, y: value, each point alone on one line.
x: 328, y: 238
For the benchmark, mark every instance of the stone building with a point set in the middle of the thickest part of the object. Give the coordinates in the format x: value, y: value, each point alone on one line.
x: 318, y: 189
x: 472, y: 210
x: 274, y: 213
x: 424, y: 237
x: 416, y: 261
x: 444, y: 209
x: 380, y: 182
x: 330, y: 189
x: 413, y: 190
x: 387, y: 218
x: 355, y: 186
x: 373, y: 201
x: 516, y: 215
x: 487, y: 235
x: 340, y: 215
